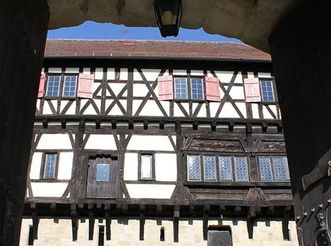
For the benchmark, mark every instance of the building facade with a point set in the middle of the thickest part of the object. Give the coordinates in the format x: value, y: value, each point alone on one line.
x: 147, y: 143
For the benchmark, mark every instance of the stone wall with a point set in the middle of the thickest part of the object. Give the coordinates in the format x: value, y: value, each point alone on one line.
x: 127, y: 234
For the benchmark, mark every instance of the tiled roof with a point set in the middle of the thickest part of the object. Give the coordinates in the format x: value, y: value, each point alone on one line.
x: 153, y: 49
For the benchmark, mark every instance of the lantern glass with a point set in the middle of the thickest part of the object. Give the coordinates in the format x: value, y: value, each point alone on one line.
x: 168, y: 14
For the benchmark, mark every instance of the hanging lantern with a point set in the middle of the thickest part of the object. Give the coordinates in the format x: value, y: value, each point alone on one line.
x: 168, y: 15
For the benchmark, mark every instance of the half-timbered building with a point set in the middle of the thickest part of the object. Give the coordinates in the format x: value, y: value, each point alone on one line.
x: 147, y: 143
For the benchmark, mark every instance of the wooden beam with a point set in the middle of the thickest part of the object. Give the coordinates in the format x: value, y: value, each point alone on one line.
x: 108, y: 228
x: 91, y: 226
x: 74, y: 225
x: 35, y: 225
x: 141, y: 226
x: 205, y: 222
x: 176, y: 225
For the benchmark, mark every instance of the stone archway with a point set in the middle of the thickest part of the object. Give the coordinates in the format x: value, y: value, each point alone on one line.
x: 294, y: 31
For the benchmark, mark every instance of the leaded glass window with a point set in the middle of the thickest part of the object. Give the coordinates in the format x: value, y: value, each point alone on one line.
x: 102, y: 172
x: 274, y: 168
x: 280, y: 165
x: 225, y: 167
x: 197, y: 89
x: 146, y: 166
x: 209, y: 167
x: 193, y: 167
x: 181, y: 88
x: 53, y: 86
x: 241, y: 168
x: 265, y: 168
x: 50, y: 166
x: 69, y: 87
x: 267, y: 90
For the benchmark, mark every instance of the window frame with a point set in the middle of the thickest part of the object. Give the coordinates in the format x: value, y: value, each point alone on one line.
x: 218, y: 178
x: 152, y: 178
x: 43, y: 166
x: 189, y: 97
x: 61, y: 86
x: 273, y: 169
x: 273, y: 87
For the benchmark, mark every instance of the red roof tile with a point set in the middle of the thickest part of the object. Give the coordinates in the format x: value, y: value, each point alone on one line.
x: 155, y: 49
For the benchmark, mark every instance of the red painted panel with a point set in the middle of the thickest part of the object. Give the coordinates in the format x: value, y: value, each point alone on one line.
x: 85, y: 85
x: 212, y: 89
x: 165, y: 87
x: 252, y: 90
x: 41, y: 90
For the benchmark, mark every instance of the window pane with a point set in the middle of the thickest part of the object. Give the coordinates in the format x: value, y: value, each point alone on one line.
x: 146, y: 166
x: 209, y: 167
x: 197, y: 89
x: 280, y: 168
x: 103, y: 171
x: 193, y: 167
x: 265, y: 168
x: 69, y: 88
x: 267, y: 91
x: 225, y: 168
x: 241, y: 168
x: 50, y: 166
x: 181, y: 88
x: 53, y: 86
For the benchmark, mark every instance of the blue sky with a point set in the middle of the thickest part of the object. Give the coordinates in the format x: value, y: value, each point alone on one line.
x: 92, y: 30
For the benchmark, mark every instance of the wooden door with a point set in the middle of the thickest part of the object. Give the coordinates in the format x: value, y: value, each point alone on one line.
x: 102, y: 178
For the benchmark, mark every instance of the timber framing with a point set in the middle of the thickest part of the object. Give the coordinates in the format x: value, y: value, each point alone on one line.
x: 189, y: 127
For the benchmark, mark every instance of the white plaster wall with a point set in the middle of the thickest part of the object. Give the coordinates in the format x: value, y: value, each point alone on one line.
x: 202, y: 111
x: 237, y: 92
x: 48, y: 189
x: 177, y: 111
x: 135, y: 105
x: 228, y: 111
x: 151, y: 74
x: 101, y: 141
x: 116, y: 88
x: 264, y: 75
x: 150, y: 191
x: 124, y: 74
x: 255, y: 110
x: 150, y: 142
x: 98, y: 74
x: 115, y: 109
x: 266, y: 113
x: 110, y: 73
x: 223, y: 76
x: 71, y: 70
x: 140, y: 90
x: 250, y: 75
x: 54, y: 141
x: 89, y: 110
x: 47, y: 109
x: 197, y: 73
x: 165, y: 167
x: 136, y: 75
x: 86, y: 70
x: 65, y: 165
x: 179, y: 72
x: 35, y: 165
x: 151, y: 109
x: 71, y: 110
x: 54, y: 70
x: 95, y: 87
x: 131, y: 166
x: 242, y: 108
